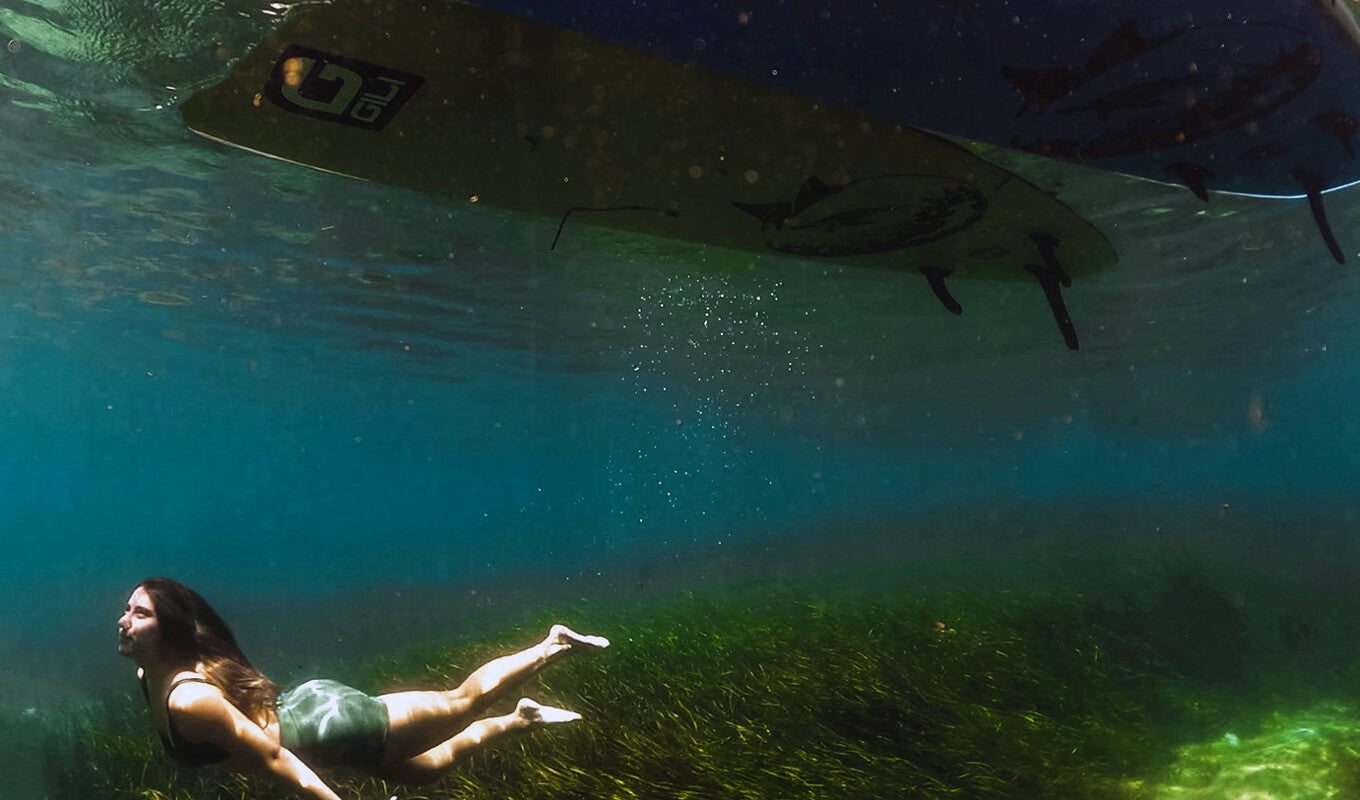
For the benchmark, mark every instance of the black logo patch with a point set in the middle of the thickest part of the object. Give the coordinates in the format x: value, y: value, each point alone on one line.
x: 867, y: 216
x: 339, y: 89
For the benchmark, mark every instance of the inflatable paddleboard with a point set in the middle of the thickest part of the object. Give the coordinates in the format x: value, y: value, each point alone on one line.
x: 1258, y: 97
x: 487, y: 107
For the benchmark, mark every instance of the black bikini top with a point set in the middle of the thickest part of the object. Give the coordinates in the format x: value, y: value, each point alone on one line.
x: 190, y: 754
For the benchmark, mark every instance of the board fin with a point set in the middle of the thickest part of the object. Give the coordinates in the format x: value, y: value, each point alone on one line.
x: 1050, y: 280
x: 935, y: 277
x: 1193, y: 176
x: 1313, y: 185
x: 1052, y: 277
x: 1046, y: 245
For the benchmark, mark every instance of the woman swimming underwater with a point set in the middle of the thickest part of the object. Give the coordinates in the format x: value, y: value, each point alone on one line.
x: 210, y: 705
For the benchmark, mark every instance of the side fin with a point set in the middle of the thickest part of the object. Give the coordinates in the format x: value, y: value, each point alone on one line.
x: 1313, y: 185
x: 935, y: 277
x: 1192, y: 175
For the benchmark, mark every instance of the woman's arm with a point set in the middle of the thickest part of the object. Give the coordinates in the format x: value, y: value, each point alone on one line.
x: 202, y: 714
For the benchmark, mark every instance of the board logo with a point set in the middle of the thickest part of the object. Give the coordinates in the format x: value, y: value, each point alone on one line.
x: 339, y: 89
x: 867, y: 216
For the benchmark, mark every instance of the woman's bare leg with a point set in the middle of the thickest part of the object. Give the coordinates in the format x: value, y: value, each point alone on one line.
x: 430, y: 765
x: 418, y: 721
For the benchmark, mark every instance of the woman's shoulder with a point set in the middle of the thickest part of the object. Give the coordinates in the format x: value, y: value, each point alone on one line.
x: 189, y: 688
x: 202, y: 719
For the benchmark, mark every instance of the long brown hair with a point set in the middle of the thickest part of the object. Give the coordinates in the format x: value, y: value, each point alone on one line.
x: 191, y: 630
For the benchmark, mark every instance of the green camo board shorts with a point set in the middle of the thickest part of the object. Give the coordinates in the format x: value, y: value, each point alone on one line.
x: 326, y: 723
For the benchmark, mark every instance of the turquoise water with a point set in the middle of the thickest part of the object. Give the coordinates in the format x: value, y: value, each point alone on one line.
x: 353, y: 414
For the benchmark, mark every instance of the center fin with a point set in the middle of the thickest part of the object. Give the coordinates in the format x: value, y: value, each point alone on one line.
x: 1049, y: 280
x: 1052, y: 277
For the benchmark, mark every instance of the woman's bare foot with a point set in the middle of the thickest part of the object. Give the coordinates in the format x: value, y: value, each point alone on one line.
x: 534, y: 714
x: 562, y: 640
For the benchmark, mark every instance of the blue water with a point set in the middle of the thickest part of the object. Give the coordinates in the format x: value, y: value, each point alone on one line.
x: 295, y: 390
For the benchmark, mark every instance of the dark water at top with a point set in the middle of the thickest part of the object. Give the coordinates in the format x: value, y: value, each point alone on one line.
x: 312, y: 395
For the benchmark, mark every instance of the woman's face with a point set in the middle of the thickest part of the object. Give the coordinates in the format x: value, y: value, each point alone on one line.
x: 138, y: 633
